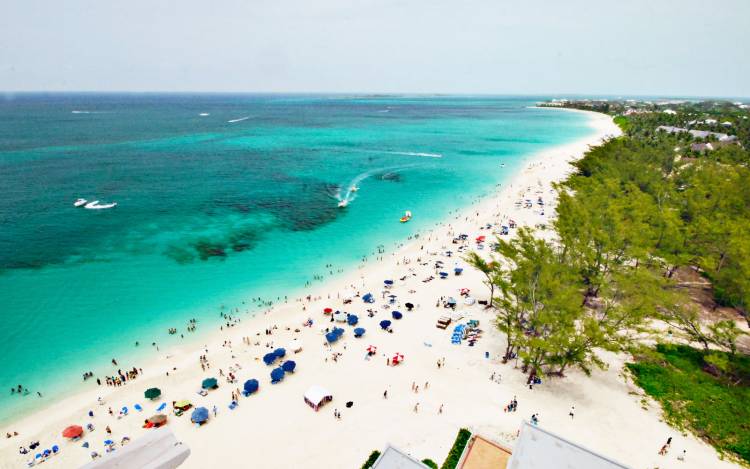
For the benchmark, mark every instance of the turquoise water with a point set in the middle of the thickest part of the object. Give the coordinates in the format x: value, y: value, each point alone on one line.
x: 212, y: 212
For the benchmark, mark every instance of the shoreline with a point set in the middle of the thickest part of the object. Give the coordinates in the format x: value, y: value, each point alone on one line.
x: 428, y: 433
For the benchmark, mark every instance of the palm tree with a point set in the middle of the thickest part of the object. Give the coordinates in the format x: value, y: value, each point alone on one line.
x: 488, y: 269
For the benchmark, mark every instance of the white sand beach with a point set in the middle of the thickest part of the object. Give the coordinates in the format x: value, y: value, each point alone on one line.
x: 275, y: 428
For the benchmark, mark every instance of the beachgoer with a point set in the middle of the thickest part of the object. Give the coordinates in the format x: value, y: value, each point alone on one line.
x: 572, y: 411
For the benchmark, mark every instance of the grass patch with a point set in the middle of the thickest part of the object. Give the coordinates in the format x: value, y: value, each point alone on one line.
x: 715, y: 408
x: 430, y: 463
x: 458, y: 448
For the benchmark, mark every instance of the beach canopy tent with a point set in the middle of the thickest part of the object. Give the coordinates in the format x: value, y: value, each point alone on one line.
x: 158, y: 419
x: 277, y: 375
x: 385, y: 324
x: 289, y: 366
x: 158, y: 449
x: 359, y: 332
x: 316, y: 396
x: 409, y: 306
x: 269, y: 358
x: 368, y: 298
x: 73, y: 431
x: 199, y: 415
x: 352, y: 320
x: 279, y: 352
x: 251, y: 386
x: 184, y: 405
x: 396, y: 314
x: 339, y: 316
x: 210, y: 383
x: 152, y: 393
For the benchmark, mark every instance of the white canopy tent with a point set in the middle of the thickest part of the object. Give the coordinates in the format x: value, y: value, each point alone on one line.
x: 316, y: 396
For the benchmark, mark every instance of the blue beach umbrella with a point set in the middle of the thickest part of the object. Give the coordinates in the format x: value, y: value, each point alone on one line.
x: 269, y: 358
x: 368, y: 298
x: 289, y: 366
x: 251, y: 386
x: 458, y: 270
x: 277, y: 375
x: 397, y: 314
x: 199, y: 415
x: 359, y: 332
x: 385, y: 324
x: 388, y: 282
x: 108, y: 442
x: 352, y: 320
x: 209, y: 383
x: 279, y: 352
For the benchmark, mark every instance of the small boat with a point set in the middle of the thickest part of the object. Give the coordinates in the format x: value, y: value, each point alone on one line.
x: 353, y: 189
x: 343, y: 204
x: 204, y: 114
x: 95, y: 205
x: 79, y: 202
x: 406, y: 217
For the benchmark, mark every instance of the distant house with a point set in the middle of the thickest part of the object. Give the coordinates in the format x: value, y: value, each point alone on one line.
x: 726, y: 124
x: 671, y: 130
x: 710, y: 121
x: 669, y: 111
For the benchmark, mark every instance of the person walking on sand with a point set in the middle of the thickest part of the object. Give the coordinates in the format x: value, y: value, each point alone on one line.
x: 663, y: 450
x: 385, y: 394
x: 440, y: 410
x: 416, y: 407
x: 682, y: 456
x: 572, y: 411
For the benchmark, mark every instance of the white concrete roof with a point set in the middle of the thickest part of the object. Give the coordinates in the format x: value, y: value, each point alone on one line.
x: 394, y: 458
x: 539, y: 449
x: 158, y: 449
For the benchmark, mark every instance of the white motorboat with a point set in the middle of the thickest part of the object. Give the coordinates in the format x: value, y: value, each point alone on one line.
x: 343, y: 203
x: 79, y: 202
x: 353, y: 189
x: 95, y: 205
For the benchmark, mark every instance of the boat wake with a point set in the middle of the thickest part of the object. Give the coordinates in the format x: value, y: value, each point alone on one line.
x: 238, y: 120
x: 413, y: 153
x: 348, y: 193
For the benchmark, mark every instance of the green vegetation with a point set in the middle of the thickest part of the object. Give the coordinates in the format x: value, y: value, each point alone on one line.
x: 622, y: 122
x: 430, y: 463
x: 371, y: 460
x: 462, y: 439
x: 695, y: 394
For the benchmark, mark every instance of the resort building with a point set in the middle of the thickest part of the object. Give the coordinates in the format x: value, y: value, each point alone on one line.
x: 393, y: 458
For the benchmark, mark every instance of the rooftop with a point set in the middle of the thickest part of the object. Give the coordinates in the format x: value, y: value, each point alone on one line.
x: 394, y: 458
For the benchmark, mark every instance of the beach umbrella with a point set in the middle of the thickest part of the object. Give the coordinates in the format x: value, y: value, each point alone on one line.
x: 458, y: 270
x: 199, y: 415
x: 409, y: 306
x: 277, y: 375
x: 289, y: 366
x: 371, y: 349
x: 332, y: 337
x: 388, y: 282
x: 269, y: 358
x: 279, y: 352
x: 152, y: 393
x: 451, y: 301
x: 384, y: 324
x: 443, y: 274
x: 209, y: 383
x: 396, y: 314
x: 327, y: 310
x: 73, y: 431
x: 251, y: 386
x: 368, y: 298
x: 158, y: 419
x: 359, y: 332
x: 397, y: 358
x: 182, y: 404
x: 108, y: 442
x: 352, y: 320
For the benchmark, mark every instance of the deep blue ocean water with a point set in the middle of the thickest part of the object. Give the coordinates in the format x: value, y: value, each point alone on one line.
x: 214, y: 209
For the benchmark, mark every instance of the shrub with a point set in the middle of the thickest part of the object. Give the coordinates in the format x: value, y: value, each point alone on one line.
x: 430, y: 462
x: 458, y: 448
x: 371, y: 460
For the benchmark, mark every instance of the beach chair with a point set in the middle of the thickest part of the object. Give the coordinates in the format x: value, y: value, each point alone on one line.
x: 161, y: 407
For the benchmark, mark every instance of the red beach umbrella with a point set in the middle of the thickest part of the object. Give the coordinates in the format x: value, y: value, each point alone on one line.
x: 73, y: 431
x: 327, y: 310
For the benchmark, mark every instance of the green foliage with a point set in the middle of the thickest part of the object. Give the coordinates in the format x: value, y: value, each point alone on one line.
x: 371, y: 460
x: 462, y: 439
x: 430, y: 463
x: 713, y: 407
x: 622, y: 122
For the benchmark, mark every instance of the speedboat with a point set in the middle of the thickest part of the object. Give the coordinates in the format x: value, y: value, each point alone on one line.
x: 95, y: 205
x: 79, y: 202
x: 406, y: 217
x: 343, y: 204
